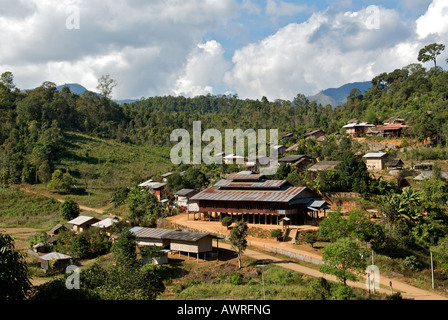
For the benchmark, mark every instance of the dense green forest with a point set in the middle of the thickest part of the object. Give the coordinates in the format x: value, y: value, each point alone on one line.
x: 34, y: 123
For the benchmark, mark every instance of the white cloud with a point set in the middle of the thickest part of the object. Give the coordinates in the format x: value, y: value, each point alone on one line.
x: 434, y: 21
x: 329, y: 50
x: 142, y: 44
x: 204, y: 69
x: 281, y: 8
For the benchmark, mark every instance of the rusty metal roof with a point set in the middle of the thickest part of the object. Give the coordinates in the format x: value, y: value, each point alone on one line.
x: 268, y: 184
x: 55, y: 255
x: 279, y: 195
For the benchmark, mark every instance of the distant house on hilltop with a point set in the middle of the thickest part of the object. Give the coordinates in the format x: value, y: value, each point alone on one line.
x: 394, y: 120
x: 315, y: 135
x: 357, y: 130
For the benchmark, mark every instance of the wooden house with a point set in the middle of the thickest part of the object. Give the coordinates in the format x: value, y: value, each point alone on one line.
x: 297, y: 160
x: 189, y: 242
x: 254, y: 163
x: 55, y: 261
x: 375, y: 160
x: 393, y: 120
x: 315, y: 135
x: 257, y: 200
x: 323, y: 166
x: 105, y: 225
x: 158, y: 188
x: 81, y: 223
x: 393, y: 130
x: 357, y: 130
x: 182, y: 196
x: 150, y: 236
x: 395, y: 164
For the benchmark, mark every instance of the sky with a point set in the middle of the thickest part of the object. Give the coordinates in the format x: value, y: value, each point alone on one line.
x: 267, y: 48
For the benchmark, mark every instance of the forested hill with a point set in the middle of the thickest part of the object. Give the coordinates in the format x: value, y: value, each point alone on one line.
x: 33, y: 123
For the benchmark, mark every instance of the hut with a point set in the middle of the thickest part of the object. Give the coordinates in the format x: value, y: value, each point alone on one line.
x: 182, y: 196
x: 188, y: 242
x: 297, y: 160
x: 81, y: 223
x: 55, y: 261
x: 323, y: 166
x: 375, y: 160
x: 105, y: 225
x: 150, y: 236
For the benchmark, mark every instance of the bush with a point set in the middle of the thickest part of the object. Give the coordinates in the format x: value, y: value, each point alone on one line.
x: 276, y: 233
x: 226, y: 222
x: 69, y: 210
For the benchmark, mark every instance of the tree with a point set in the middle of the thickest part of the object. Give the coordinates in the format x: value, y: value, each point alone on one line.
x: 7, y: 79
x: 106, y: 85
x: 344, y: 259
x: 14, y: 282
x: 60, y: 182
x: 226, y: 222
x: 69, y: 209
x: 238, y: 239
x: 124, y: 249
x: 144, y: 206
x: 430, y: 53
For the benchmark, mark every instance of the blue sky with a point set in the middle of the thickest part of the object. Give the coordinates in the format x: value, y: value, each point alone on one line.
x: 272, y: 48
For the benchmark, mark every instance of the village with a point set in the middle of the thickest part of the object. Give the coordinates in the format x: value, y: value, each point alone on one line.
x: 196, y: 227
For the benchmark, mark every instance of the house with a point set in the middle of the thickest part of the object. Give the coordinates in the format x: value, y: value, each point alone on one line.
x: 315, y: 135
x: 375, y: 160
x: 106, y: 225
x: 81, y: 223
x: 300, y: 161
x: 256, y: 162
x: 392, y: 130
x: 253, y: 198
x: 232, y: 158
x: 323, y: 166
x: 281, y: 149
x: 190, y: 242
x: 373, y: 132
x: 393, y: 120
x: 56, y: 229
x: 150, y: 237
x: 165, y: 176
x: 187, y: 242
x: 357, y: 130
x: 55, y: 261
x: 395, y: 164
x: 182, y: 196
x: 158, y: 188
x: 423, y: 166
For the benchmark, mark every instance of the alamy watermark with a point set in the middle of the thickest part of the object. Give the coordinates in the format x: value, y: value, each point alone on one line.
x: 73, y: 21
x: 256, y: 145
x: 373, y: 21
x: 73, y: 280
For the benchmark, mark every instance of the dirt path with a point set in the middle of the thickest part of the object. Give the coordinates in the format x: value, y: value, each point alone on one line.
x: 407, y: 291
x: 97, y: 210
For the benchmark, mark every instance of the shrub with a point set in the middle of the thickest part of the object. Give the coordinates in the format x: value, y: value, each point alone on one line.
x: 69, y: 210
x: 276, y: 233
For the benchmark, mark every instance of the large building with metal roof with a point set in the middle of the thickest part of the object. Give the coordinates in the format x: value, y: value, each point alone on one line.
x: 257, y: 200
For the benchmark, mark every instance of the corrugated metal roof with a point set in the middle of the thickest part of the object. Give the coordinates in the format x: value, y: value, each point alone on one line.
x: 268, y: 184
x: 185, y: 236
x: 280, y: 195
x: 153, y: 233
x: 106, y: 223
x: 55, y: 255
x: 80, y: 220
x: 375, y: 155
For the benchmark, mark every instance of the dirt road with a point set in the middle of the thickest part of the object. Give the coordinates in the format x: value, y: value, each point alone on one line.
x: 407, y: 291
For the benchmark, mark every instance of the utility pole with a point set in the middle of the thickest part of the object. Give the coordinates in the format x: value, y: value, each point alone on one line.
x: 373, y: 275
x: 432, y: 269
